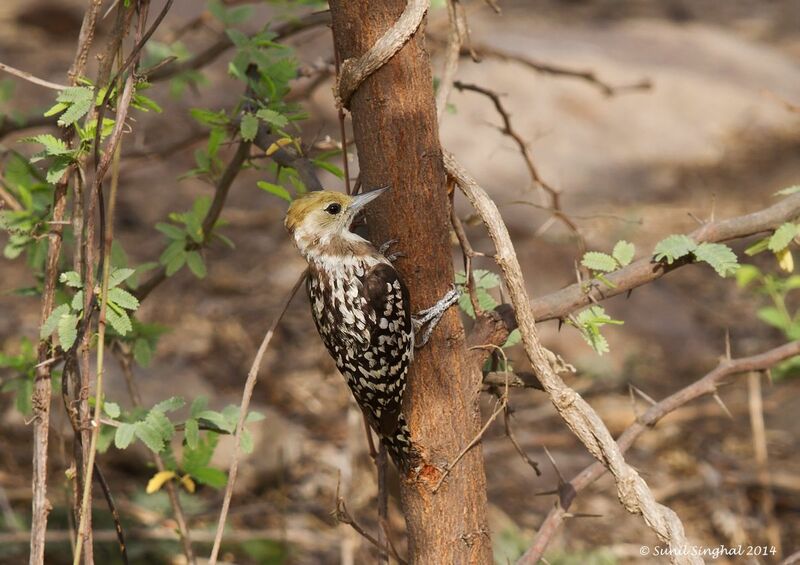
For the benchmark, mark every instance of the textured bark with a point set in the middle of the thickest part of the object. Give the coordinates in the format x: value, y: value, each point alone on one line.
x: 396, y: 133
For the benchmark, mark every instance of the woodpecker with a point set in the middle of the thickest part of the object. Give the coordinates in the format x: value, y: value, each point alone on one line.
x: 362, y: 311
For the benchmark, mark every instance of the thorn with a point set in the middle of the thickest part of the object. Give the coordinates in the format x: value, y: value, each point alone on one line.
x: 769, y: 376
x: 546, y: 492
x: 695, y: 218
x: 722, y: 405
x: 585, y: 515
x: 647, y: 397
x: 560, y: 323
x: 728, y: 344
x: 633, y: 401
x: 628, y: 294
x: 561, y: 480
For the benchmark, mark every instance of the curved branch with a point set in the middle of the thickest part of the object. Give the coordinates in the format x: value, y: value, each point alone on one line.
x: 354, y: 71
x: 560, y: 303
x: 632, y: 491
x: 703, y: 386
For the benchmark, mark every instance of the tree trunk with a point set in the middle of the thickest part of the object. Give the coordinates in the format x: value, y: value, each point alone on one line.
x: 396, y: 133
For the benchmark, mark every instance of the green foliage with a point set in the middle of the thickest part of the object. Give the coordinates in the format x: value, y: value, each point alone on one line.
x: 777, y: 292
x: 673, y: 248
x: 60, y: 156
x: 22, y: 370
x: 600, y: 263
x: 718, y: 255
x: 589, y: 322
x: 484, y: 282
x: 26, y: 226
x: 624, y: 252
x: 72, y: 103
x: 65, y: 317
x: 596, y: 261
x: 275, y: 189
x: 186, y: 238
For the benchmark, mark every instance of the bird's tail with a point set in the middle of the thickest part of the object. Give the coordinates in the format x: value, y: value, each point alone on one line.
x: 401, y: 449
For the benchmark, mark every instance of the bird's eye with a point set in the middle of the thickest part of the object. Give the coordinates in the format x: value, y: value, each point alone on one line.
x: 334, y: 208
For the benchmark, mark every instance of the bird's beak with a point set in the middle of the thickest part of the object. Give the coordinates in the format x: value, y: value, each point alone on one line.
x: 362, y: 200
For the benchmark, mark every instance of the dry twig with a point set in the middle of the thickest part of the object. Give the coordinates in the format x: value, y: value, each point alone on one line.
x: 249, y: 386
x: 703, y: 386
x: 584, y: 422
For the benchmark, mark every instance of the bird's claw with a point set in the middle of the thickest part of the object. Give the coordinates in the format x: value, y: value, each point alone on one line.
x: 430, y: 317
x: 391, y: 257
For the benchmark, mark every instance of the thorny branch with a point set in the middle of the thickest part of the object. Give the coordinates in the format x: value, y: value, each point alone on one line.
x: 556, y: 70
x: 584, y: 422
x: 560, y: 303
x: 507, y: 129
x: 342, y: 515
x: 42, y: 386
x: 705, y: 385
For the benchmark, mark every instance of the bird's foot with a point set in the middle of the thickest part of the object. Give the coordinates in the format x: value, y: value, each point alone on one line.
x: 391, y: 257
x: 429, y: 317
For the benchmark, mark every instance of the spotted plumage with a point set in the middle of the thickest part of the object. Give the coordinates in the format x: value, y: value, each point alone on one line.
x: 361, y: 309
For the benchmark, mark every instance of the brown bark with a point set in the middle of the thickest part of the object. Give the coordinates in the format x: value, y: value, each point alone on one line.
x: 396, y: 133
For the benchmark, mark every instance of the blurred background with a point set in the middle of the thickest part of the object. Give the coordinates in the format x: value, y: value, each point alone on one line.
x: 702, y: 121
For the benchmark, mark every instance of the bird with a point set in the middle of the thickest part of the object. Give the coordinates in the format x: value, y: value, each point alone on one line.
x: 361, y: 308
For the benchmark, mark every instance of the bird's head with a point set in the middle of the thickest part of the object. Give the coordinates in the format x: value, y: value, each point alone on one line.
x: 323, y: 217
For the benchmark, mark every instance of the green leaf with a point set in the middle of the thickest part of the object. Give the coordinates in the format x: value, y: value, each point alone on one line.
x: 67, y: 330
x: 788, y: 191
x: 51, y: 323
x: 674, y: 247
x: 199, y: 404
x: 117, y: 276
x: 173, y: 250
x: 170, y: 404
x: 330, y: 167
x: 719, y: 256
x: 774, y: 317
x: 782, y: 237
x: 124, y: 435
x: 191, y: 433
x: 210, y: 476
x: 757, y: 247
x: 246, y: 442
x: 123, y: 298
x: 596, y: 261
x: 57, y: 169
x: 80, y: 99
x: 747, y: 274
x: 112, y: 409
x: 485, y: 279
x: 273, y: 118
x: 77, y: 301
x: 624, y: 252
x: 118, y: 320
x: 217, y: 419
x: 172, y: 232
x: 142, y: 352
x: 513, y: 338
x: 71, y: 278
x: 196, y: 264
x: 275, y: 189
x: 52, y: 145
x: 249, y: 127
x: 174, y: 265
x: 150, y: 435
